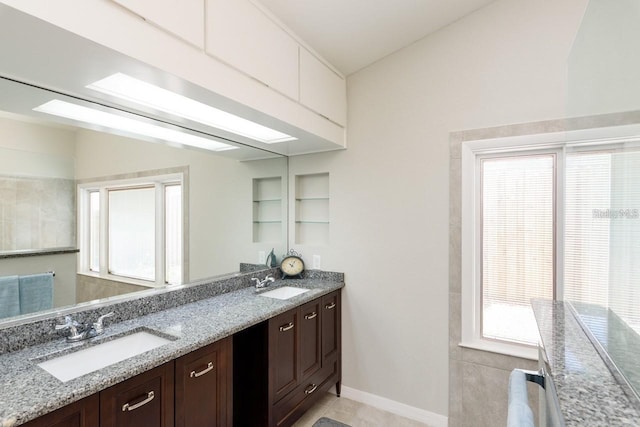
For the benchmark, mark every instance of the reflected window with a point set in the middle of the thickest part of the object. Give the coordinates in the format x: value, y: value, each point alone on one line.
x: 133, y: 230
x: 94, y: 231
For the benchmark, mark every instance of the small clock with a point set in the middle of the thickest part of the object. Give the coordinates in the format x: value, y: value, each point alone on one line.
x: 292, y: 265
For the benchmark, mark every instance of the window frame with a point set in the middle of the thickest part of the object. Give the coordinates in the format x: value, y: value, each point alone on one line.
x: 471, y: 152
x: 159, y: 183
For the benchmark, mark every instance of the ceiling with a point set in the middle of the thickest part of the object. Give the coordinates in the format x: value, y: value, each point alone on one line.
x: 352, y: 34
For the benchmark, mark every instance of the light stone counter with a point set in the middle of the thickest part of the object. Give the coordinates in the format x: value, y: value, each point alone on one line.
x: 588, y: 392
x: 28, y: 391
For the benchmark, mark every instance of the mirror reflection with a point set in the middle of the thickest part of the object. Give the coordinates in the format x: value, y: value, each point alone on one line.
x: 87, y: 214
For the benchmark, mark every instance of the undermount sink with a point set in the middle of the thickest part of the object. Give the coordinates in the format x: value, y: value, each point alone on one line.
x: 73, y: 365
x: 284, y: 292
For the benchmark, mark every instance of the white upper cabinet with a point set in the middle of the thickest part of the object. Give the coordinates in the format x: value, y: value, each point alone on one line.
x: 321, y: 89
x: 241, y: 35
x: 184, y: 18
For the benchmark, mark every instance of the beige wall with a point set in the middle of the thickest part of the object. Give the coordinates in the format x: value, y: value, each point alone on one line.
x: 506, y: 63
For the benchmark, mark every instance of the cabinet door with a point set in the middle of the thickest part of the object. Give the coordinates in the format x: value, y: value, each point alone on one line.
x: 204, y: 386
x: 184, y: 18
x: 83, y: 413
x: 243, y: 36
x: 310, y: 316
x: 144, y: 400
x: 330, y: 327
x: 321, y: 89
x: 283, y: 354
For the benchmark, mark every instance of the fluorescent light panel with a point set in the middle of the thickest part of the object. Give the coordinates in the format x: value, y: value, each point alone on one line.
x: 126, y: 87
x: 80, y: 113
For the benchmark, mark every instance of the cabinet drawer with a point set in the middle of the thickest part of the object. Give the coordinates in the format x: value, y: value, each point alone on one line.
x: 304, y: 396
x: 144, y: 400
x: 83, y: 413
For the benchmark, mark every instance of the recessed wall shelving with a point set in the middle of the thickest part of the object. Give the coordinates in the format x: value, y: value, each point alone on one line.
x: 312, y: 209
x: 267, y: 210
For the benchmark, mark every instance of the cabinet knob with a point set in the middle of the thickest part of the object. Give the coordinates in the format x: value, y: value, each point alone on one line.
x: 195, y: 374
x: 311, y: 315
x: 330, y: 306
x: 286, y: 327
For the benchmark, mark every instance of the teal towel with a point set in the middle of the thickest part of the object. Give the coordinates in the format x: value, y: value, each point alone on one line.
x: 9, y: 296
x: 36, y: 293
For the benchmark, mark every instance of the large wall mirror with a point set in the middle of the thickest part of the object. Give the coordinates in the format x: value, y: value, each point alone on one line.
x: 107, y: 211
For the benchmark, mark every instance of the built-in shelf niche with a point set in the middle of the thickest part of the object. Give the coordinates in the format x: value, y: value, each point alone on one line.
x: 312, y: 209
x: 267, y: 210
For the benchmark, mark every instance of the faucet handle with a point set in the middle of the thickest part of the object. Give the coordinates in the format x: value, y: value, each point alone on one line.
x: 68, y: 324
x: 98, y: 324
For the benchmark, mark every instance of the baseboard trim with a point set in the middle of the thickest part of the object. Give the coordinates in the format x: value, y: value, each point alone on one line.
x: 430, y: 418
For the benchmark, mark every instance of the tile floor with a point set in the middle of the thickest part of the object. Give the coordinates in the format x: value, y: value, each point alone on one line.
x: 353, y: 413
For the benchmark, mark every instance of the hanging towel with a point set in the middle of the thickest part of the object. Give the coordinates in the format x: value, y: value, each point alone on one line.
x: 36, y: 292
x: 9, y: 296
x: 519, y: 413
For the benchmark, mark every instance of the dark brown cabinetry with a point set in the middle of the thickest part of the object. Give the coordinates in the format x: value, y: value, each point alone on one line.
x: 194, y: 390
x: 83, y: 413
x: 144, y: 400
x: 302, y: 348
x: 204, y: 388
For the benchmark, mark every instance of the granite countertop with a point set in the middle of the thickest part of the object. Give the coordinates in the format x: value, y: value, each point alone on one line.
x: 588, y: 392
x: 28, y: 391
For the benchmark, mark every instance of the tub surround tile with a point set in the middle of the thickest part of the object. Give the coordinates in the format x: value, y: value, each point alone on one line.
x: 228, y: 306
x: 588, y: 393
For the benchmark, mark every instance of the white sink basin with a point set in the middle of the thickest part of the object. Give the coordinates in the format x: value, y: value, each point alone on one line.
x: 284, y: 292
x: 73, y: 365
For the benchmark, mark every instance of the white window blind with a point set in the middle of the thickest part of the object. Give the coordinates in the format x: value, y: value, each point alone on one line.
x: 602, y: 231
x: 517, y: 238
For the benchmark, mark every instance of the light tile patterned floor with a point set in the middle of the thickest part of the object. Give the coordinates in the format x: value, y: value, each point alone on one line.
x: 353, y: 413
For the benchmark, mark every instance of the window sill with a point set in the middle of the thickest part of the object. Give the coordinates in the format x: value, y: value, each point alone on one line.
x: 121, y: 280
x: 521, y: 351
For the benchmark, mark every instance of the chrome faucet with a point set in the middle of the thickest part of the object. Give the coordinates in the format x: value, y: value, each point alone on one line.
x: 78, y: 332
x: 263, y: 283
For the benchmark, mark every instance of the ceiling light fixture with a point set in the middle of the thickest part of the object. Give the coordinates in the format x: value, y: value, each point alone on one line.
x: 126, y: 87
x: 80, y: 113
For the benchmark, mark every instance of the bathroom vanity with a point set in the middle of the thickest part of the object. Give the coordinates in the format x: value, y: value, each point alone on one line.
x: 582, y: 387
x: 292, y: 347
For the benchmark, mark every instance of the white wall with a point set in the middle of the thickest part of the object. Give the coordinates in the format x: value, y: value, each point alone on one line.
x: 506, y: 63
x: 36, y: 150
x: 605, y: 60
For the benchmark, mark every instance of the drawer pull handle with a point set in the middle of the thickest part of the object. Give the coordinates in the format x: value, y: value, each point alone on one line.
x: 311, y: 389
x: 330, y: 306
x: 133, y: 407
x: 310, y: 315
x: 195, y: 374
x: 285, y: 328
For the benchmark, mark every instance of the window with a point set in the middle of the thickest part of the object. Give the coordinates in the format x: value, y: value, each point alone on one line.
x: 560, y: 221
x: 131, y: 230
x: 517, y: 238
